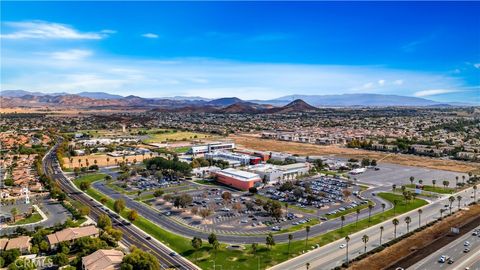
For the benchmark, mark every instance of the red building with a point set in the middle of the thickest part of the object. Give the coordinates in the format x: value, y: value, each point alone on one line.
x: 238, y: 179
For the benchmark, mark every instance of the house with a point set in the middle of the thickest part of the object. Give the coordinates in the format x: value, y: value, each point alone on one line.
x: 70, y: 234
x: 103, y: 259
x: 21, y: 243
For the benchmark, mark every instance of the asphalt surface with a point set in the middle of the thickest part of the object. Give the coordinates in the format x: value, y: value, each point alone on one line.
x: 55, y: 212
x: 131, y: 234
x: 175, y: 227
x: 455, y: 251
x: 390, y: 174
x: 331, y: 255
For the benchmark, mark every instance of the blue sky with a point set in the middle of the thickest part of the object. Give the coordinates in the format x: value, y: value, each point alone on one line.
x: 253, y: 50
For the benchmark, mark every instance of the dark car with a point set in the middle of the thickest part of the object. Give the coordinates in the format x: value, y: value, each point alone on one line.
x: 148, y: 238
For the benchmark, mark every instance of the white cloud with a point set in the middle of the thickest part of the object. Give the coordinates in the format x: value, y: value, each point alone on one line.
x: 434, y: 92
x: 150, y: 35
x: 477, y: 65
x: 398, y: 82
x: 48, y: 30
x: 205, y: 77
x: 381, y: 82
x: 71, y: 55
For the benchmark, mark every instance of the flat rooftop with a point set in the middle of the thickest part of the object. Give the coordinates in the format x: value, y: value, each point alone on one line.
x: 240, y: 175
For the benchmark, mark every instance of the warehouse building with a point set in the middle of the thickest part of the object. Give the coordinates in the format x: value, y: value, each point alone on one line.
x: 238, y: 179
x: 275, y: 173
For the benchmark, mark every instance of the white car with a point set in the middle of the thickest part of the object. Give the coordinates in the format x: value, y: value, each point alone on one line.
x: 466, y: 243
x: 342, y: 246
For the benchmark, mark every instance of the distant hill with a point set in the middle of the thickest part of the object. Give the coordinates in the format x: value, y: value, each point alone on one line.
x: 21, y: 93
x: 346, y: 100
x: 297, y: 105
x: 99, y: 95
x: 239, y: 107
x: 224, y: 101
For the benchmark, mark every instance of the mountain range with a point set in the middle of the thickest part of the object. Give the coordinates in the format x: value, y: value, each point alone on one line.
x: 285, y: 104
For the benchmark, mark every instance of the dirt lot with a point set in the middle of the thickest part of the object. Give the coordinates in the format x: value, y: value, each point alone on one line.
x: 101, y: 160
x: 255, y: 142
x: 421, y: 244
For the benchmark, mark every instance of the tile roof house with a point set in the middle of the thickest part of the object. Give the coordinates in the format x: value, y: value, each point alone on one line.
x: 103, y: 259
x: 22, y: 243
x: 70, y: 234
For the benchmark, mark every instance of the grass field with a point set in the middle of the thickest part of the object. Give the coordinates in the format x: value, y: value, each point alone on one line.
x: 161, y: 136
x: 35, y: 217
x: 89, y: 178
x: 435, y: 189
x: 255, y: 142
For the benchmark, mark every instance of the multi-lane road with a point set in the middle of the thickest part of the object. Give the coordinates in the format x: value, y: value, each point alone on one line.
x: 331, y: 255
x: 455, y: 251
x: 131, y: 234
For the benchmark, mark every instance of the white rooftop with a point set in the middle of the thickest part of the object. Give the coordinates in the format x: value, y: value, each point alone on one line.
x: 240, y: 175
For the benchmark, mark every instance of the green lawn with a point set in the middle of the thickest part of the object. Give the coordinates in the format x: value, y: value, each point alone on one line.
x: 182, y: 149
x: 89, y: 178
x: 35, y: 217
x: 435, y: 189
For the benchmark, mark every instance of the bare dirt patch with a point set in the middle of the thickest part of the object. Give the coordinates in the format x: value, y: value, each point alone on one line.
x: 420, y: 245
x: 101, y: 160
x: 255, y: 142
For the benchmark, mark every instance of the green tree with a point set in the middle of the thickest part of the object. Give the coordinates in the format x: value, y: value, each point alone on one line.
x: 212, y: 238
x: 381, y: 234
x: 342, y: 218
x: 132, y: 215
x: 84, y: 185
x: 139, y: 260
x: 60, y: 259
x: 370, y: 207
x: 196, y: 244
x: 451, y: 199
x: 420, y: 211
x: 104, y: 221
x: 119, y: 205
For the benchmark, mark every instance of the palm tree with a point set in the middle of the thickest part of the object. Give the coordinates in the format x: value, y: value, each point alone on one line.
x: 381, y: 233
x: 441, y: 213
x: 347, y: 239
x: 108, y: 159
x: 307, y: 265
x: 395, y: 224
x: 394, y: 187
x: 420, y: 211
x: 420, y: 181
x: 365, y: 241
x: 383, y: 207
x: 358, y: 213
x: 290, y: 237
x: 459, y: 199
x: 408, y: 220
x: 433, y: 183
x: 412, y: 179
x: 307, y: 229
x: 370, y: 207
x: 475, y: 193
x: 456, y: 181
x: 451, y: 199
x: 463, y: 179
x: 342, y: 218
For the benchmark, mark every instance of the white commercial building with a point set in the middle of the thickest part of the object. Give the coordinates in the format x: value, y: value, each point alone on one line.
x: 234, y: 159
x: 207, y: 148
x: 276, y: 173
